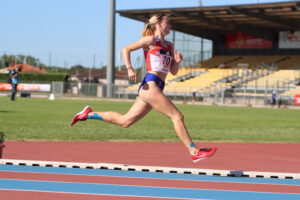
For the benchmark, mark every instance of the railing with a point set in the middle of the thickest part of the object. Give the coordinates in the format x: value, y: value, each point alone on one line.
x: 230, y: 89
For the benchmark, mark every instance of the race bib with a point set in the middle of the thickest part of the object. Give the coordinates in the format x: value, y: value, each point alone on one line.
x: 166, y: 61
x: 160, y: 63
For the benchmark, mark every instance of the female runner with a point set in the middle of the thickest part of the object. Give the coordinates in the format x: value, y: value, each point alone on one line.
x: 160, y: 58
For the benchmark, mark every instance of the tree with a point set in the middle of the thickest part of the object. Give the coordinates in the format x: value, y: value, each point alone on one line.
x: 20, y: 59
x: 32, y: 61
x: 76, y: 69
x: 6, y: 60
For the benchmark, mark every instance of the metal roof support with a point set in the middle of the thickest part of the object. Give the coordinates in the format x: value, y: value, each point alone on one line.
x: 110, y: 71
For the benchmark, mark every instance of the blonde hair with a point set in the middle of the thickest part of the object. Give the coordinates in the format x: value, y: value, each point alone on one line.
x: 149, y: 28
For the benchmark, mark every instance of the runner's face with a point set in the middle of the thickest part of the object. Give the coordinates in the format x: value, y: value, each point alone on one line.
x: 165, y: 25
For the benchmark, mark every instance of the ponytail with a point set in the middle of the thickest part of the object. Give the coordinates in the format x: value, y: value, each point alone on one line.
x: 149, y: 28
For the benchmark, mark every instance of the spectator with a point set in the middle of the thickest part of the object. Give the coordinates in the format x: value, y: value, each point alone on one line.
x: 274, y: 98
x: 14, y: 80
x: 193, y: 97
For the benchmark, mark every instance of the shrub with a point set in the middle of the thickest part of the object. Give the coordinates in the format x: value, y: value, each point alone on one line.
x: 2, y: 137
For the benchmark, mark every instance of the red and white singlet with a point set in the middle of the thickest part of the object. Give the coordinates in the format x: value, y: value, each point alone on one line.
x: 160, y: 58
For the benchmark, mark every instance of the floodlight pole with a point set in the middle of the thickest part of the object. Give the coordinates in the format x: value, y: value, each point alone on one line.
x: 110, y: 71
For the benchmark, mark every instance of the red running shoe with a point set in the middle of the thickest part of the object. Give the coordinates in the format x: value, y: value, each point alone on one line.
x: 81, y: 115
x: 203, y: 154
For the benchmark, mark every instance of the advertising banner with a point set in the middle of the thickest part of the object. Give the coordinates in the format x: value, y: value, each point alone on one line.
x: 297, y: 99
x: 27, y: 87
x: 244, y: 41
x: 289, y: 40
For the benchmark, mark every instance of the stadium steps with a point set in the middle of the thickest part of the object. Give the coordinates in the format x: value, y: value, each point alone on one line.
x: 292, y: 62
x: 218, y: 61
x: 292, y: 92
x: 183, y: 73
x: 275, y: 79
x: 187, y: 76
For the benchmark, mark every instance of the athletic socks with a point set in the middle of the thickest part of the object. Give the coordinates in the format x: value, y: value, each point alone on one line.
x: 192, y: 145
x: 95, y: 116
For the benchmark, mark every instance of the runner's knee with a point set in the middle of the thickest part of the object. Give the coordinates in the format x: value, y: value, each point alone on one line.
x: 178, y: 116
x: 126, y: 123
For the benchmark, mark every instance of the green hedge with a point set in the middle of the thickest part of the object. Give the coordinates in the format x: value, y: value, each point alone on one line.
x: 34, y: 77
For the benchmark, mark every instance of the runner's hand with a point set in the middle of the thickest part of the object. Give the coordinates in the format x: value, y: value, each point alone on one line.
x: 132, y: 75
x: 177, y: 56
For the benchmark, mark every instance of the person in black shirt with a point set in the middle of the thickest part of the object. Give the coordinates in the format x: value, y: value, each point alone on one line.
x: 14, y: 80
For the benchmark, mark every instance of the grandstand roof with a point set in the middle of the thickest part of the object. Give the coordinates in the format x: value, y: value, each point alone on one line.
x: 260, y: 20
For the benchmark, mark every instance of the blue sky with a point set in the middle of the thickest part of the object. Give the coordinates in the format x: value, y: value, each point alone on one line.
x: 69, y: 32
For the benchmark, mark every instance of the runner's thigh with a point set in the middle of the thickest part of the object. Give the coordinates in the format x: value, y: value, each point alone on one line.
x: 157, y: 100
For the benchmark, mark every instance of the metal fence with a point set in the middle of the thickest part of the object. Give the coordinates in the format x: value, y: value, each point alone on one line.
x: 239, y: 88
x: 247, y: 95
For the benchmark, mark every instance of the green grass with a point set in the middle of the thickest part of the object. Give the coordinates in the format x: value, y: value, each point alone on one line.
x: 41, y: 119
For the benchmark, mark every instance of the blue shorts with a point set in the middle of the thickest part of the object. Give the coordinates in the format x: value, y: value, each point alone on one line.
x: 151, y: 77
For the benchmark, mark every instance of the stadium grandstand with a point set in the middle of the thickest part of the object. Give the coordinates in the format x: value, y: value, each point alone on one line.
x: 255, y: 51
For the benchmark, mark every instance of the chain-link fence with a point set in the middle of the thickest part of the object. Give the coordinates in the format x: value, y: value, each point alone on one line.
x: 242, y: 86
x: 246, y: 92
